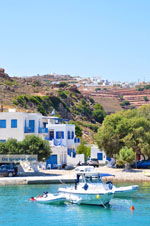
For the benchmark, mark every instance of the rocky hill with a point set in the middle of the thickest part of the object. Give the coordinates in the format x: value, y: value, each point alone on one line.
x: 35, y: 94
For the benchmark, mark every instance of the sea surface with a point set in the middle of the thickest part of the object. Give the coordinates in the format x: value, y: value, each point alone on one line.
x: 17, y: 210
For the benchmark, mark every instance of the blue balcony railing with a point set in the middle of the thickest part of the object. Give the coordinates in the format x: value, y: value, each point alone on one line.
x: 42, y: 130
x: 29, y: 130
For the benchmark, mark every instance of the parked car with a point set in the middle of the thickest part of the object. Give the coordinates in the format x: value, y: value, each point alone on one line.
x: 8, y: 170
x: 93, y: 162
x: 144, y: 164
x: 111, y: 163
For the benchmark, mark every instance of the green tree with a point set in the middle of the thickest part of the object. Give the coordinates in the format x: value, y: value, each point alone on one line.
x: 126, y: 128
x: 3, y: 150
x: 125, y: 157
x: 84, y: 149
x: 12, y: 146
x: 98, y: 113
x: 30, y: 145
x: 35, y: 145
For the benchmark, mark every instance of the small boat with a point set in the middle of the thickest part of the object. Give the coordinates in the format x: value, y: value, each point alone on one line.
x: 48, y: 198
x: 126, y: 191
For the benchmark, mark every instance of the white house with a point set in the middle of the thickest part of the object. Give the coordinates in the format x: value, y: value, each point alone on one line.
x: 98, y: 154
x: 60, y: 134
x: 19, y: 124
x: 62, y: 138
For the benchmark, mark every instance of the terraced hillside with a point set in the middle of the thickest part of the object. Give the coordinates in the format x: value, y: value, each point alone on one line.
x: 114, y: 99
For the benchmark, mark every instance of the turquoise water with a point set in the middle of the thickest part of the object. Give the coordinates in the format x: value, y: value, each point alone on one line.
x: 16, y: 210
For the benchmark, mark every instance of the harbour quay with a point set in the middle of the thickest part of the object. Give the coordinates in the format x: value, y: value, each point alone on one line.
x: 25, y: 180
x: 69, y: 176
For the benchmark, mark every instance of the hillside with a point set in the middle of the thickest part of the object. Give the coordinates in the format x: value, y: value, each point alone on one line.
x: 36, y: 95
x: 114, y: 99
x: 60, y: 93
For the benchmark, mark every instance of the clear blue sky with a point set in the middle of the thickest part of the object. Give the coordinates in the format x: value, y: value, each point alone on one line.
x: 108, y: 38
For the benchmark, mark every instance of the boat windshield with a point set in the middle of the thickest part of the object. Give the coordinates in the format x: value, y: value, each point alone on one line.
x: 88, y: 178
x: 93, y: 179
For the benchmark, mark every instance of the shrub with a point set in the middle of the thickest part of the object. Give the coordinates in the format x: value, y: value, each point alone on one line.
x: 125, y: 103
x: 145, y: 98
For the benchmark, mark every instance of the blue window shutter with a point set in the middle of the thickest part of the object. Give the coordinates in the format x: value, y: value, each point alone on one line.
x: 72, y: 134
x: 69, y: 151
x: 69, y: 135
x: 3, y: 123
x: 62, y: 135
x: 56, y: 135
x: 14, y: 123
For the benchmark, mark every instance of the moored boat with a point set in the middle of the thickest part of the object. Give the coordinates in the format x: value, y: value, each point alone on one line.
x: 88, y: 189
x: 126, y: 191
x: 48, y: 198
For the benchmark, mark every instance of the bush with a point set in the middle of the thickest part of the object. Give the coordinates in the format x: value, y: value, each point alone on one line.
x: 78, y: 130
x: 98, y: 113
x: 83, y: 149
x: 97, y: 89
x: 62, y: 94
x: 125, y: 157
x: 145, y: 98
x: 62, y: 84
x: 89, y: 125
x: 125, y: 103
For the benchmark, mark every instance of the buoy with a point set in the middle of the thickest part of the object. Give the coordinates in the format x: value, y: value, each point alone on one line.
x: 132, y: 208
x: 97, y: 196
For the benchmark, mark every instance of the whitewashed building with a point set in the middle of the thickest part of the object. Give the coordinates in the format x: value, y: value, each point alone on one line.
x: 58, y: 132
x: 96, y: 153
x: 19, y: 124
x: 63, y: 140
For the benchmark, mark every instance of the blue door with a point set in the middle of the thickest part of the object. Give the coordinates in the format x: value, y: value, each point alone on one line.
x: 52, y: 162
x: 32, y: 126
x: 51, y: 135
x: 100, y: 156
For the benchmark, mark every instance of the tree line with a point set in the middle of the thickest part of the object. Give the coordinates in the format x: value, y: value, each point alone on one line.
x: 31, y: 145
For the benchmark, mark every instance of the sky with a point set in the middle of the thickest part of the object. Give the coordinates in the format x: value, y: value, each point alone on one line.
x: 98, y: 38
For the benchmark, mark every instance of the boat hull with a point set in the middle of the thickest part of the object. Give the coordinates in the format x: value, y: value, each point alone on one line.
x: 126, y: 191
x: 89, y: 199
x: 50, y: 199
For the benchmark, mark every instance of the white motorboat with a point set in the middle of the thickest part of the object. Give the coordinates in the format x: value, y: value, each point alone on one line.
x: 88, y: 189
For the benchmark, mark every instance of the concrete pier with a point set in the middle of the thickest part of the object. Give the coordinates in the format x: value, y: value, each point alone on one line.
x: 35, y: 180
x: 65, y: 176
